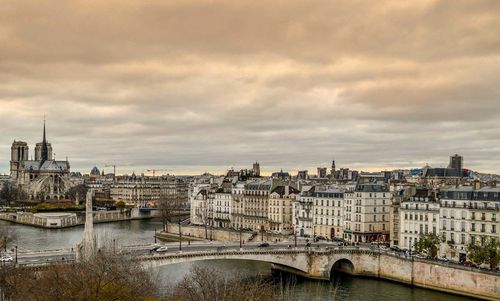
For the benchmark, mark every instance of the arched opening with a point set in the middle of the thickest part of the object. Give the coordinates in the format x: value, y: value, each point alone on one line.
x: 341, y: 266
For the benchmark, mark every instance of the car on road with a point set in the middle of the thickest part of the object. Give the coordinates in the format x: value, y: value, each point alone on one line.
x: 6, y: 258
x: 442, y: 258
x: 161, y: 249
x: 396, y: 249
x: 308, y: 244
x: 264, y: 245
x: 420, y: 256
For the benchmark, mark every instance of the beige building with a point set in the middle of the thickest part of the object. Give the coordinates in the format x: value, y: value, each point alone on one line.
x: 237, y: 205
x: 468, y: 214
x: 146, y: 191
x: 256, y: 205
x: 328, y: 213
x: 367, y: 213
x: 419, y: 215
x: 281, y: 200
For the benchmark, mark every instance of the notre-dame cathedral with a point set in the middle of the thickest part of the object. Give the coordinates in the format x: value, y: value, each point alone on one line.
x: 42, y: 178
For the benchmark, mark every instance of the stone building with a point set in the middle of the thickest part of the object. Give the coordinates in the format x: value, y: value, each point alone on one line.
x: 237, y: 205
x: 328, y: 213
x: 304, y: 213
x: 43, y: 178
x: 281, y: 200
x: 367, y: 213
x: 256, y: 205
x: 222, y: 205
x: 468, y: 214
x: 418, y: 215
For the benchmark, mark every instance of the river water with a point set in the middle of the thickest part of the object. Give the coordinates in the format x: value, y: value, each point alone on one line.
x: 142, y: 232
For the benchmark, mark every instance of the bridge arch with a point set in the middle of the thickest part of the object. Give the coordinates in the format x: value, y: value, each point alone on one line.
x: 342, y: 266
x: 293, y: 262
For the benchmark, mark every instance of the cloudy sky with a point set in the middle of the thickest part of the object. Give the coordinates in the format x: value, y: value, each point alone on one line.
x: 194, y: 86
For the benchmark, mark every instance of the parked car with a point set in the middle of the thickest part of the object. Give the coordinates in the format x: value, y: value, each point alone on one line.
x: 442, y: 258
x: 421, y: 256
x: 153, y: 249
x: 469, y: 264
x: 161, y: 249
x: 264, y: 245
x: 395, y: 248
x: 6, y: 258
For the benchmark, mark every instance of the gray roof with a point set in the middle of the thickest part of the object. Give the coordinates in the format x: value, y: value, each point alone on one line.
x: 371, y: 188
x: 49, y: 165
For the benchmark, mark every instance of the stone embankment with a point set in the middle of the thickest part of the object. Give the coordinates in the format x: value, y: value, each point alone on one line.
x: 208, y: 233
x: 59, y: 220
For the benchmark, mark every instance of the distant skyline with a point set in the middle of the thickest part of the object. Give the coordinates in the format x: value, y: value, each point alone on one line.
x: 195, y: 86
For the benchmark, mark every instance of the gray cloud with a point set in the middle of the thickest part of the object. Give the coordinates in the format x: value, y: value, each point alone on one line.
x: 201, y: 86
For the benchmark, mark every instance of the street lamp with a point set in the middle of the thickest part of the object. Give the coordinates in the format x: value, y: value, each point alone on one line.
x: 16, y: 253
x: 240, y: 238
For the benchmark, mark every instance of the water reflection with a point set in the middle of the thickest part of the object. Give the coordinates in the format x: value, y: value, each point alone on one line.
x: 125, y: 233
x: 345, y: 288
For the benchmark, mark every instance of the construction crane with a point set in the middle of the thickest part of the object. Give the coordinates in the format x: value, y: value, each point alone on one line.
x: 155, y: 170
x: 114, y: 169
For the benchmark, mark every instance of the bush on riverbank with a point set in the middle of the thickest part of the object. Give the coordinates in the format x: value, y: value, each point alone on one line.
x: 47, y: 207
x: 106, y: 277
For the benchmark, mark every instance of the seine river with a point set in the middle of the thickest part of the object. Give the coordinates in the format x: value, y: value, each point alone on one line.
x: 142, y: 232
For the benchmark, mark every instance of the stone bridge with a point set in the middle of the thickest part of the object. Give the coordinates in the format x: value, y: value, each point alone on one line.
x: 323, y: 263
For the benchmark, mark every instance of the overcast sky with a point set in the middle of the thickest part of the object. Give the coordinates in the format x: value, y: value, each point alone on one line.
x: 194, y: 86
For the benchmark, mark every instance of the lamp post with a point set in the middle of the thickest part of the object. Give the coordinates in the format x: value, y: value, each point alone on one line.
x: 180, y: 235
x: 16, y: 253
x: 295, y: 238
x: 240, y: 238
x: 155, y: 235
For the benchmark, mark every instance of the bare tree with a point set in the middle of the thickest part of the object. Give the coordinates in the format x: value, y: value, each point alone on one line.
x: 169, y: 204
x: 104, y: 277
x: 204, y: 284
x: 78, y: 190
x: 7, y: 235
x: 10, y: 192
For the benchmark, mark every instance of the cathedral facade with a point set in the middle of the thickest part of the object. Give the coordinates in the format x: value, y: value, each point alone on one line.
x: 42, y: 178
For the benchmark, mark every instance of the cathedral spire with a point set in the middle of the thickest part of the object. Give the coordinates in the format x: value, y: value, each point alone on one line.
x: 45, y: 150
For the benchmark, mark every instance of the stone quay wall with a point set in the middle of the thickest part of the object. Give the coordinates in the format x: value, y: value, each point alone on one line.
x: 65, y: 220
x: 214, y: 233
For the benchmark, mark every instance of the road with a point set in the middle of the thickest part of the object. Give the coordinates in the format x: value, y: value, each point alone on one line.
x: 53, y: 256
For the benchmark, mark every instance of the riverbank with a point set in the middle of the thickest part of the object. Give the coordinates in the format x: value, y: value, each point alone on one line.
x: 61, y: 220
x: 222, y: 234
x: 171, y: 237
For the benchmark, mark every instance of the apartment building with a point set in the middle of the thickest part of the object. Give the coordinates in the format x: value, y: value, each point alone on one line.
x: 468, y: 214
x: 418, y: 214
x: 256, y: 205
x: 281, y: 200
x: 367, y: 213
x: 328, y: 213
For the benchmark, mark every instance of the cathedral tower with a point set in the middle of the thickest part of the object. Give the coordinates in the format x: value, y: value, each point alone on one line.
x: 18, y: 154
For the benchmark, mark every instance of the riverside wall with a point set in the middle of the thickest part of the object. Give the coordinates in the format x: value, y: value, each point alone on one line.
x: 59, y: 220
x: 218, y: 234
x: 429, y: 274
